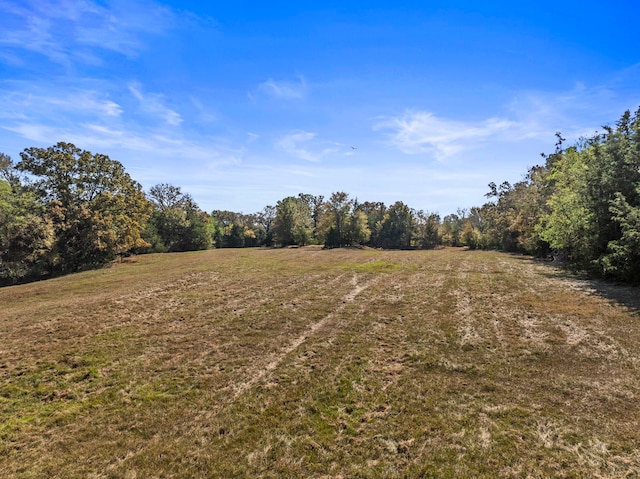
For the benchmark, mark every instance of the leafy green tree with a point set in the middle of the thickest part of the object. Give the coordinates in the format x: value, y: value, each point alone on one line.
x: 470, y: 236
x: 343, y: 223
x: 254, y: 236
x: 165, y: 197
x: 359, y: 232
x: 265, y: 220
x: 177, y: 224
x: 293, y: 224
x: 223, y: 221
x: 510, y: 222
x: 336, y: 220
x: 569, y: 226
x: 237, y: 230
x: 427, y: 230
x: 595, y: 184
x: 26, y: 235
x: 374, y: 212
x: 316, y: 206
x: 235, y: 236
x: 451, y: 229
x: 397, y: 227
x: 98, y: 211
x: 199, y: 234
x: 151, y: 235
x: 622, y: 260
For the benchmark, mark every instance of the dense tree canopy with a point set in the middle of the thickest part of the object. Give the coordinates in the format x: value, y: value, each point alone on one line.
x: 582, y: 205
x: 176, y: 224
x: 96, y: 209
x: 594, y: 199
x: 343, y: 223
x: 26, y: 234
x: 293, y: 223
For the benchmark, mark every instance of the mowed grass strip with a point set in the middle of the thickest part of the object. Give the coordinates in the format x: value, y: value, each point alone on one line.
x: 311, y: 363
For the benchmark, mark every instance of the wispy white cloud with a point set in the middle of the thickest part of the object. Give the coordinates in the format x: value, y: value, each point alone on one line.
x: 24, y: 100
x: 208, y: 152
x: 294, y: 144
x: 123, y: 25
x: 576, y: 112
x: 154, y: 104
x: 205, y: 113
x: 417, y: 132
x: 305, y: 146
x: 87, y: 101
x: 284, y: 89
x: 89, y: 118
x: 194, y: 155
x: 529, y: 116
x: 67, y: 31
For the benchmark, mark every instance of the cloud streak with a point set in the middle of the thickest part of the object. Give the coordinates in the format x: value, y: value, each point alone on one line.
x: 529, y: 115
x: 417, y: 132
x: 285, y: 90
x: 23, y: 100
x: 75, y: 30
x: 128, y: 127
x: 154, y: 104
x: 304, y: 145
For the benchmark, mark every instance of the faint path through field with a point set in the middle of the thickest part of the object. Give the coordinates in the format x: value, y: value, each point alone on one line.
x: 297, y: 342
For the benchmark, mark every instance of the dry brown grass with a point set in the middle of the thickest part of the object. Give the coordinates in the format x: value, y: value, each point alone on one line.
x: 311, y: 363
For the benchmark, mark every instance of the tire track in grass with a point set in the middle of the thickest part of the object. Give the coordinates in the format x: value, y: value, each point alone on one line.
x: 261, y: 373
x: 297, y: 342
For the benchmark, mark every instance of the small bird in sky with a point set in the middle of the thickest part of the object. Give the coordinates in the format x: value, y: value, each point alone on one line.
x: 353, y: 148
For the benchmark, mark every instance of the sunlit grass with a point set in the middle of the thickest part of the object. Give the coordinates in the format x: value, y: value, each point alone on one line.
x: 312, y: 363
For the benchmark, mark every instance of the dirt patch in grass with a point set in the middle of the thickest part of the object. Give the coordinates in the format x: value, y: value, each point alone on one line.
x: 320, y: 363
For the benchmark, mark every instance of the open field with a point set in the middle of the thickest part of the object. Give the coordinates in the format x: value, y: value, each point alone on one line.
x: 311, y: 363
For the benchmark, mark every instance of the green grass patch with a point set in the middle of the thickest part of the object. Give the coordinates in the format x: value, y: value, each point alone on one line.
x: 375, y: 267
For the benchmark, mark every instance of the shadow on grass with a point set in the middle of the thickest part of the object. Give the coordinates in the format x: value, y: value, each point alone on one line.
x: 623, y: 294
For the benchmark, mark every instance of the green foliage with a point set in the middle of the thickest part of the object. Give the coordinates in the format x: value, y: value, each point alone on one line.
x: 237, y: 230
x: 622, y: 259
x: 427, y: 230
x: 153, y: 239
x: 26, y: 234
x: 509, y: 223
x: 343, y: 223
x: 198, y: 234
x: 74, y: 210
x: 265, y: 220
x: 97, y: 210
x: 569, y: 225
x: 316, y: 207
x: 235, y: 236
x: 583, y: 204
x: 293, y: 223
x: 470, y: 236
x: 593, y: 205
x: 358, y: 228
x: 374, y: 212
x: 397, y: 228
x: 177, y: 224
x: 451, y: 229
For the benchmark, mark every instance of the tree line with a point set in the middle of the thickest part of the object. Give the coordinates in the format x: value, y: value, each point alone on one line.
x: 63, y: 209
x: 582, y: 206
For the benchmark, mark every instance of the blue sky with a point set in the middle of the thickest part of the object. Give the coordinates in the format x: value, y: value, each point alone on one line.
x: 244, y: 103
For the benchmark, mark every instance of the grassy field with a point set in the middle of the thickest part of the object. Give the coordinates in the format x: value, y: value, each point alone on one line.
x: 328, y: 364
